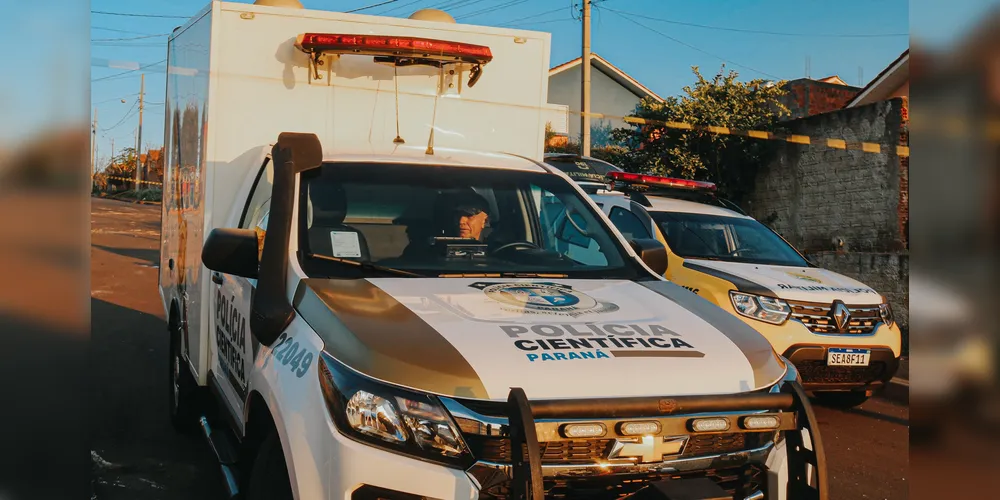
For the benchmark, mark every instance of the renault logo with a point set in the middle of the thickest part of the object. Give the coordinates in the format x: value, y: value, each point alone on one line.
x: 648, y: 449
x: 841, y: 315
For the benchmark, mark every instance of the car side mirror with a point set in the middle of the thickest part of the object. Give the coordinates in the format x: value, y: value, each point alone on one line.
x: 652, y: 252
x: 231, y: 251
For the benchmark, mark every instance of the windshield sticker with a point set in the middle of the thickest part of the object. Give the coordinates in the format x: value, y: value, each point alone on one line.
x: 598, y: 341
x: 544, y: 298
x: 823, y: 288
x: 345, y: 244
x: 804, y: 277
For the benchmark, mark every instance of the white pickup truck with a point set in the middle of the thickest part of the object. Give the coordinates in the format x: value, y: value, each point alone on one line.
x: 375, y: 305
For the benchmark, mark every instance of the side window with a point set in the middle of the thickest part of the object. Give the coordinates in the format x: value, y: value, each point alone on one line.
x: 260, y: 197
x: 629, y: 224
x: 565, y: 231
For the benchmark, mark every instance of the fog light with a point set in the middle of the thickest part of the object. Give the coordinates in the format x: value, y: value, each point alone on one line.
x: 710, y: 424
x: 761, y: 422
x: 584, y: 430
x: 645, y: 428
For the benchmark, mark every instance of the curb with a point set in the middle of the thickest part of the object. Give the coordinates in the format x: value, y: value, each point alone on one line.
x: 897, y: 391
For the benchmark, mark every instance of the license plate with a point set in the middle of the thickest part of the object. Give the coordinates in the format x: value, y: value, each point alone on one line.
x: 848, y: 357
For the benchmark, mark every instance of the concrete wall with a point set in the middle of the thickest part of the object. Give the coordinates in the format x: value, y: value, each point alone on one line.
x: 606, y: 96
x: 848, y: 211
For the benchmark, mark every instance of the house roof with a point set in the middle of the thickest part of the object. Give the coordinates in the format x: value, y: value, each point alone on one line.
x: 894, y: 75
x: 833, y: 79
x: 612, y: 71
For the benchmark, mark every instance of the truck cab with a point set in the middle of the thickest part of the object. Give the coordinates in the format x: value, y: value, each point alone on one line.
x: 380, y: 300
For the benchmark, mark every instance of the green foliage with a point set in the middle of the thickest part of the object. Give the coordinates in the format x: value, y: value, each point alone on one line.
x: 723, y: 101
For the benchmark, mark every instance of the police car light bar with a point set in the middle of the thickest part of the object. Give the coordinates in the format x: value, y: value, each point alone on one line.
x: 652, y: 180
x: 394, y: 46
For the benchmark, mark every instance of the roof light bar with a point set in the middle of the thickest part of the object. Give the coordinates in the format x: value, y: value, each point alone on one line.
x: 652, y: 180
x: 395, y: 46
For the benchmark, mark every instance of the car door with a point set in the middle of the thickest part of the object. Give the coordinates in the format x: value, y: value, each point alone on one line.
x: 234, y: 347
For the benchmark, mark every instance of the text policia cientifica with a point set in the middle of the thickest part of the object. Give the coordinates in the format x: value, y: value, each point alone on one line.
x: 588, y: 341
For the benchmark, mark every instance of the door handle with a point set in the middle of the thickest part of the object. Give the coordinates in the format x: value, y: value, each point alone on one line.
x: 217, y: 278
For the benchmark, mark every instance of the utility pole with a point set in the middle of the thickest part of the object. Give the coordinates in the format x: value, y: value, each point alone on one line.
x: 138, y: 135
x: 112, y: 162
x: 93, y: 145
x: 585, y: 65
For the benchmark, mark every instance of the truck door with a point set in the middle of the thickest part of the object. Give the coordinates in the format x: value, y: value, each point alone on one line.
x: 234, y: 347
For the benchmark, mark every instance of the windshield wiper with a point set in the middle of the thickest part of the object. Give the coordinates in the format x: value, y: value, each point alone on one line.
x: 533, y: 275
x: 368, y: 266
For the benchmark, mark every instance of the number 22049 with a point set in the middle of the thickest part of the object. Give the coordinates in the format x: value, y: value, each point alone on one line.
x: 288, y: 353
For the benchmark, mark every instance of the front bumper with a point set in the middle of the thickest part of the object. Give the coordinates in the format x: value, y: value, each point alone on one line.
x: 810, y: 361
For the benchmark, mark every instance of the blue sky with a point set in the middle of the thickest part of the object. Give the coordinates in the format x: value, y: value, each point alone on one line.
x: 661, y: 63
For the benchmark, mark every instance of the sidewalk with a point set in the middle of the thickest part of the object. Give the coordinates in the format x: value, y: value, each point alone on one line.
x: 898, y: 389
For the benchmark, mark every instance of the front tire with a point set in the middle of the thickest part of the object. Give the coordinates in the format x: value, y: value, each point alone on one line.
x: 185, y: 402
x: 842, y: 400
x: 269, y: 478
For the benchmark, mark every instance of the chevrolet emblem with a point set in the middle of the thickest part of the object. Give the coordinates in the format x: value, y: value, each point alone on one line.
x: 648, y: 449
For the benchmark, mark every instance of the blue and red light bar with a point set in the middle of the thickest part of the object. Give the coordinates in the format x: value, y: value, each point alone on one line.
x: 652, y: 180
x: 395, y: 46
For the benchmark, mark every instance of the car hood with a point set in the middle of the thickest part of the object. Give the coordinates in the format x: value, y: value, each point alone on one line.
x: 810, y: 284
x: 477, y: 338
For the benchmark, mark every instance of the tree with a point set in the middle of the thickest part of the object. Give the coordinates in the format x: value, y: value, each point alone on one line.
x: 729, y: 161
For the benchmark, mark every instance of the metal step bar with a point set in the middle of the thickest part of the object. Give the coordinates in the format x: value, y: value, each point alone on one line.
x: 526, y: 470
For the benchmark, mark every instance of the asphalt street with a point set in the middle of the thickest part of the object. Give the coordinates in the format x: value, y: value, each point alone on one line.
x: 136, y: 454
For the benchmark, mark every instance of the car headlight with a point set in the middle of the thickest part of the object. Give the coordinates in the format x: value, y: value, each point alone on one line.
x: 766, y: 309
x: 392, y: 418
x: 885, y: 311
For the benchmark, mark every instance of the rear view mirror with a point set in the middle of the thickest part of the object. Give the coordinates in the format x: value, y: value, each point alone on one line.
x: 652, y: 252
x: 231, y: 251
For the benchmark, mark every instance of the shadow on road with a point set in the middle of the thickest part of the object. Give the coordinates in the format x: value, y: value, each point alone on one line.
x: 148, y: 256
x: 880, y: 416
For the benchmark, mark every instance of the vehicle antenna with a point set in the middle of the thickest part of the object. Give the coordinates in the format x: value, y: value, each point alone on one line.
x: 395, y: 79
x: 437, y: 95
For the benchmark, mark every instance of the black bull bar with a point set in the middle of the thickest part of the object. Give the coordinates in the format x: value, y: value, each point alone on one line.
x: 527, y: 480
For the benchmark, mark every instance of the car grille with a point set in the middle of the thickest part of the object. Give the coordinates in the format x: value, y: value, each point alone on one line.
x: 738, y: 482
x: 587, y: 451
x: 818, y: 318
x: 816, y: 371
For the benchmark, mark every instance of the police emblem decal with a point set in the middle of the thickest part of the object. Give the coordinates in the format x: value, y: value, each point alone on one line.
x: 544, y: 298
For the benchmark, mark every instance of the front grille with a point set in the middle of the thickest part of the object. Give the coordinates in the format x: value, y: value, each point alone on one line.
x: 737, y: 481
x: 818, y: 318
x: 816, y: 371
x: 587, y: 451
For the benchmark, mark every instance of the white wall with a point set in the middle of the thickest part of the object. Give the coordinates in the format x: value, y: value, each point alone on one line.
x: 606, y: 96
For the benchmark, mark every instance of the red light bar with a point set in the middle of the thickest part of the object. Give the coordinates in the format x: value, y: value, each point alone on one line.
x: 652, y: 180
x: 395, y: 46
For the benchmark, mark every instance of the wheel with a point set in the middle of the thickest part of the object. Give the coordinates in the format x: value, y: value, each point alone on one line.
x: 185, y: 395
x: 269, y: 474
x: 842, y: 400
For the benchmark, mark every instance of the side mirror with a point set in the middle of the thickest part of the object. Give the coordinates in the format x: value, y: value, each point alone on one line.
x: 652, y: 252
x: 231, y: 251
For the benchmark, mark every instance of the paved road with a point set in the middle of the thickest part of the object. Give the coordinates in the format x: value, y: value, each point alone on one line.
x: 136, y: 454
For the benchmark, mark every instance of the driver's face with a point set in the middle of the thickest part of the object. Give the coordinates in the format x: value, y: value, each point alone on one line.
x: 471, y: 226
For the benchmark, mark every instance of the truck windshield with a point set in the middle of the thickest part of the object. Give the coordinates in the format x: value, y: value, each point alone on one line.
x: 424, y: 220
x: 734, y: 239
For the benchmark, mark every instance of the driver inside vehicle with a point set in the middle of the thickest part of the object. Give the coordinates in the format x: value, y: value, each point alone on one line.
x: 463, y: 214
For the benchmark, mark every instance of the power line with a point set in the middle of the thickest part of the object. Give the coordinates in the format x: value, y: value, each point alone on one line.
x: 128, y: 38
x: 398, y: 7
x: 128, y: 114
x: 117, y: 30
x: 508, y: 23
x: 127, y: 72
x: 127, y: 14
x: 387, y: 2
x: 492, y: 9
x: 692, y: 47
x: 760, y: 32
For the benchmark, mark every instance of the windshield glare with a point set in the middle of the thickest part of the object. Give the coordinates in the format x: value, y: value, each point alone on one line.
x: 702, y: 236
x: 435, y: 220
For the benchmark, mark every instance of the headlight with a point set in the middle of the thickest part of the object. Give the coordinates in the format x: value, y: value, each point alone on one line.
x: 393, y: 418
x: 766, y: 309
x: 886, y: 312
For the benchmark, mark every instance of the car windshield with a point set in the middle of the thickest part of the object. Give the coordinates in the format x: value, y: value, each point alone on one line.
x: 425, y: 220
x: 583, y: 169
x: 734, y: 239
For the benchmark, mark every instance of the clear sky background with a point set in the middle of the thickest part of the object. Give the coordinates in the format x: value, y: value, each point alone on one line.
x: 655, y: 41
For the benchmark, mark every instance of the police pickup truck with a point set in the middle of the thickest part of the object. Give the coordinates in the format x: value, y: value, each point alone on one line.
x: 356, y: 313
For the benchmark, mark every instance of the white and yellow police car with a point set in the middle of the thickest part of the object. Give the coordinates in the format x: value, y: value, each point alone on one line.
x: 838, y: 332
